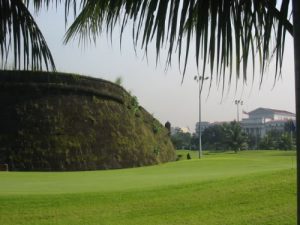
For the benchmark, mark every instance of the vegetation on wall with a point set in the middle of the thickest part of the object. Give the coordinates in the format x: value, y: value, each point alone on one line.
x: 69, y: 122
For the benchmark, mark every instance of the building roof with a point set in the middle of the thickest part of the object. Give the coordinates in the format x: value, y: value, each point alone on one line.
x: 273, y: 111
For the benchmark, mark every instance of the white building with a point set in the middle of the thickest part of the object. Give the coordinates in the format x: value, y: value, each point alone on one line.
x: 262, y: 120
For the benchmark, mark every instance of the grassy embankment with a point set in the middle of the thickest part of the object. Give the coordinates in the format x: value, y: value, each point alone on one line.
x: 66, y: 122
x: 252, y: 187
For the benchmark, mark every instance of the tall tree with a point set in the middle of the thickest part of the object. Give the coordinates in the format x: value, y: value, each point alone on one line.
x: 236, y: 139
x: 214, y: 137
x: 225, y: 136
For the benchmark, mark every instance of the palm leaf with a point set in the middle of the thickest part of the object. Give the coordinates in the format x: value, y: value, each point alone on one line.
x: 226, y: 32
x: 20, y: 34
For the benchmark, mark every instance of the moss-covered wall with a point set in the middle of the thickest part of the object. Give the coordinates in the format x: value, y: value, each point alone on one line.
x: 55, y: 121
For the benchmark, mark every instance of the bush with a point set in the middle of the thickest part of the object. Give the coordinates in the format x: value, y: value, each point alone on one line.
x: 188, y: 156
x: 179, y: 157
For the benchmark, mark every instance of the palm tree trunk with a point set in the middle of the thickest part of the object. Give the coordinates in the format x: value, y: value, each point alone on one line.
x: 296, y: 22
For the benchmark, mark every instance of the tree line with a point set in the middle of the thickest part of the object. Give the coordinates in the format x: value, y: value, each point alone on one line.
x: 231, y: 136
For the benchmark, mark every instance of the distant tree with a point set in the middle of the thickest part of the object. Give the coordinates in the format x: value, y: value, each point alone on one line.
x: 253, y: 141
x: 214, y: 137
x: 275, y: 139
x: 267, y: 143
x: 236, y: 139
x: 195, y: 141
x: 285, y: 142
x: 226, y: 136
x: 289, y: 126
x: 181, y: 140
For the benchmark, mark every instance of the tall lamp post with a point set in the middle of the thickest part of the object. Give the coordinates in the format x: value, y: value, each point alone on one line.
x: 238, y: 102
x: 200, y: 80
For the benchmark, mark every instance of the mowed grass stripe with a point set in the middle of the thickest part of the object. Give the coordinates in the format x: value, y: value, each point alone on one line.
x: 263, y: 198
x: 211, y: 167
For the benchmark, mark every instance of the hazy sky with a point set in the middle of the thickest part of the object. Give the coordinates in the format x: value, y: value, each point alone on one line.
x: 160, y: 92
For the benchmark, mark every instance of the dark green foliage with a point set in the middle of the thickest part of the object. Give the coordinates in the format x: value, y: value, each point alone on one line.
x: 134, y: 103
x: 181, y: 140
x: 289, y: 126
x: 179, y: 157
x: 83, y: 125
x: 286, y: 142
x: 253, y: 141
x: 229, y: 136
x: 221, y: 137
x: 213, y: 138
x: 188, y: 156
x: 235, y: 138
x: 54, y: 82
x: 195, y: 141
x: 156, y: 126
x: 156, y: 150
x: 226, y: 136
x: 276, y: 139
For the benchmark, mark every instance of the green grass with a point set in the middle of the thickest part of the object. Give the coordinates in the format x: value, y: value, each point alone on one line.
x: 251, y: 187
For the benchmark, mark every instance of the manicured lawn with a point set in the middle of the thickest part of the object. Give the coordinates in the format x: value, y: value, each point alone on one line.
x: 251, y: 187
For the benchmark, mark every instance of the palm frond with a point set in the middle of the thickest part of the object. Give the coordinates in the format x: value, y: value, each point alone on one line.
x: 225, y: 32
x: 20, y: 34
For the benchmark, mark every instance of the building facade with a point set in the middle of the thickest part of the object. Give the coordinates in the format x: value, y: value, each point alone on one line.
x: 259, y: 121
x: 262, y: 120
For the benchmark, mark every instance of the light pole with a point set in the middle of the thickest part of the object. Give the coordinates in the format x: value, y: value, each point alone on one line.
x: 200, y: 80
x: 238, y: 102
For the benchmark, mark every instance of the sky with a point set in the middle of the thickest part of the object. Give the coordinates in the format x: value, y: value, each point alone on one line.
x: 161, y: 92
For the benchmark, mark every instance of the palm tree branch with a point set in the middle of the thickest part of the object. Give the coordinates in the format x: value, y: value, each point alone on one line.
x: 19, y: 32
x: 210, y: 24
